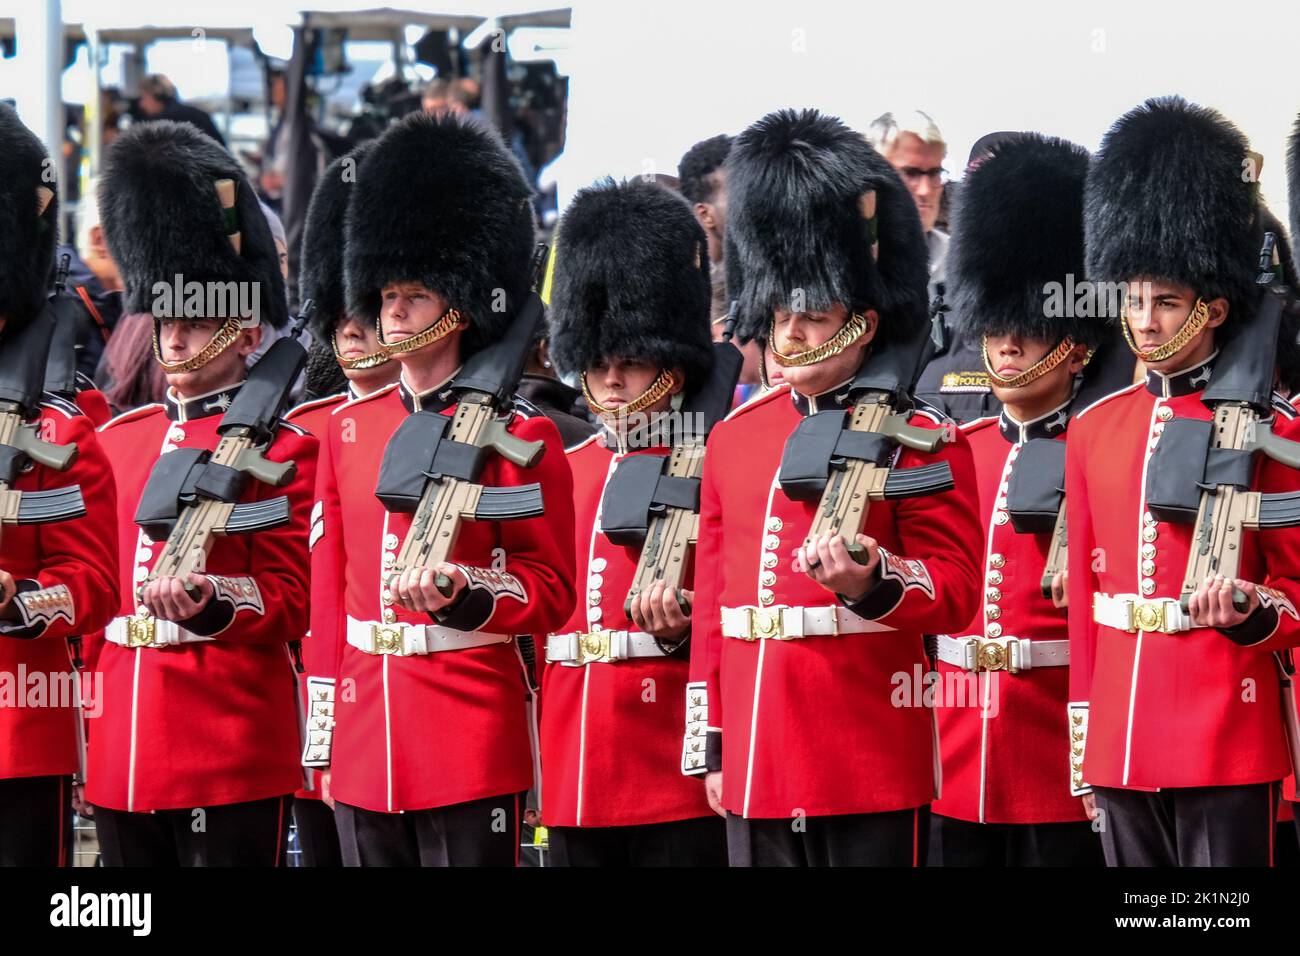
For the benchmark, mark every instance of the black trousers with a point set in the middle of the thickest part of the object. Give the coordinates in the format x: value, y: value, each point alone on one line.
x: 1189, y: 826
x: 894, y: 838
x: 698, y: 842
x: 233, y: 834
x: 318, y: 836
x: 962, y: 843
x: 36, y: 821
x: 477, y: 833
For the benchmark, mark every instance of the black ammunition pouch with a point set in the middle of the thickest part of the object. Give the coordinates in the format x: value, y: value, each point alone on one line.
x: 179, y: 478
x: 639, y: 491
x: 821, y: 444
x: 1037, y: 486
x: 12, y: 462
x: 1184, y: 465
x: 419, y: 453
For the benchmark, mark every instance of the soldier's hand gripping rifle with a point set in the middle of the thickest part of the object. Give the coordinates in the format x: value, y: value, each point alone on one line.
x: 193, y: 494
x: 846, y: 466
x: 432, y: 463
x: 22, y: 377
x: 654, y: 502
x: 1201, y: 471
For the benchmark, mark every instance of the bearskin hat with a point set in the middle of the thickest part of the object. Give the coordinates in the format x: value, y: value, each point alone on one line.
x: 1168, y: 199
x: 440, y: 201
x: 1018, y: 240
x: 631, y: 280
x: 162, y: 217
x: 802, y: 232
x: 321, y: 272
x: 27, y: 236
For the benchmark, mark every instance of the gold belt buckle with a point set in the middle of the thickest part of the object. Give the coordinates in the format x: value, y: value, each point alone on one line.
x: 140, y: 631
x: 1148, y: 616
x: 387, y: 640
x: 593, y: 647
x: 764, y: 624
x: 994, y: 654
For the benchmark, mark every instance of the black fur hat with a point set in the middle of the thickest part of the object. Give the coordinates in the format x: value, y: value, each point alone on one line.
x: 631, y: 280
x: 323, y: 375
x: 162, y: 217
x: 796, y: 233
x: 26, y: 239
x: 1288, y: 346
x: 440, y: 201
x: 1168, y: 199
x: 1018, y: 230
x: 321, y: 272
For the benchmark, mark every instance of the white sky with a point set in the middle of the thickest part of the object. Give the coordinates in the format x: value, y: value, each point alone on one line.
x: 650, y: 79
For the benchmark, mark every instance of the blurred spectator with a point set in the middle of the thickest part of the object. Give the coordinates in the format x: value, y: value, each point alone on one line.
x: 913, y: 145
x: 128, y: 375
x: 158, y: 101
x: 443, y: 96
x: 704, y: 184
x: 94, y: 279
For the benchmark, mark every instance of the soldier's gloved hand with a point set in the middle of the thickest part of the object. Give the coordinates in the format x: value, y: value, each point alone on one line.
x: 827, y: 561
x: 167, y: 599
x: 1211, y: 603
x: 1060, y: 596
x: 657, y: 612
x: 414, y: 589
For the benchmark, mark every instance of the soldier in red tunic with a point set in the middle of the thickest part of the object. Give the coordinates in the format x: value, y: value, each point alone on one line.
x: 630, y: 315
x: 1017, y: 248
x: 431, y: 750
x: 347, y: 362
x: 196, y: 754
x: 1175, y: 719
x: 798, y: 649
x: 57, y: 579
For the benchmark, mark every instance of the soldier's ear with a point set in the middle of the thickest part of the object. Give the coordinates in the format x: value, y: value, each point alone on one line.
x: 1078, y: 358
x: 679, y: 379
x: 1218, y: 309
x: 872, y: 318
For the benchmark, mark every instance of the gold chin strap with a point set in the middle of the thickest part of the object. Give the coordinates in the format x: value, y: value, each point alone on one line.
x: 221, y: 340
x: 1196, y: 320
x: 837, y: 343
x: 660, y: 387
x: 1035, y: 371
x: 439, y: 330
x: 373, y: 360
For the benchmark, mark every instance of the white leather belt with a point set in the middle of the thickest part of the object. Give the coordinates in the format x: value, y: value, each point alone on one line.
x: 136, y: 631
x: 410, y: 640
x: 1009, y: 654
x: 1133, y: 613
x: 751, y: 623
x: 600, y: 647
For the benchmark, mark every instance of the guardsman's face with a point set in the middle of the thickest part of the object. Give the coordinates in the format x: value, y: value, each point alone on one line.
x: 1155, y: 311
x: 407, y: 309
x: 356, y: 339
x: 180, y: 339
x: 617, y: 381
x: 798, y: 332
x: 1010, y: 355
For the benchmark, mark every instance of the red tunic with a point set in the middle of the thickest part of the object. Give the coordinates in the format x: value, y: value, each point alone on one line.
x: 215, y: 722
x: 1192, y: 709
x: 611, y: 732
x: 1002, y: 734
x: 314, y: 417
x: 827, y: 724
x: 66, y: 574
x: 416, y: 732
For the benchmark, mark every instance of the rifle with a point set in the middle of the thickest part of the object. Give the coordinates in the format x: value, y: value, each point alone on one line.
x: 193, y: 494
x: 22, y: 377
x: 432, y: 464
x: 654, y: 502
x: 848, y: 467
x: 1201, y: 471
